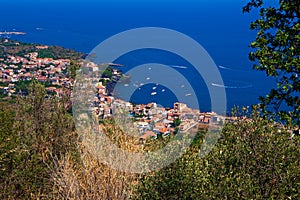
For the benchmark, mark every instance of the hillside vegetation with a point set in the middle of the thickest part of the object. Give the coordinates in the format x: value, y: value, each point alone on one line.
x: 43, y: 158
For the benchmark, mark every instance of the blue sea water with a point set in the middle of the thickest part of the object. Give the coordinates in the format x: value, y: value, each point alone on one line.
x: 219, y: 26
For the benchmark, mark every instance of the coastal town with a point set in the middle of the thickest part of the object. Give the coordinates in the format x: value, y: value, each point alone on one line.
x: 150, y: 119
x: 162, y: 100
x: 14, y: 69
x: 21, y: 67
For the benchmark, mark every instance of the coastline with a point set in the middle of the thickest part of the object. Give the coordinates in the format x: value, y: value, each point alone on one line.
x: 12, y: 33
x: 233, y: 91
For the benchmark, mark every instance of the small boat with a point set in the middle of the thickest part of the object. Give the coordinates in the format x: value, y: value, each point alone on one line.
x: 163, y: 90
x: 153, y: 93
x: 189, y: 94
x: 153, y: 88
x: 179, y: 66
x: 148, y: 78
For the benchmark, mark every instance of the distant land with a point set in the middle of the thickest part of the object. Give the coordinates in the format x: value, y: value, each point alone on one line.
x: 12, y: 33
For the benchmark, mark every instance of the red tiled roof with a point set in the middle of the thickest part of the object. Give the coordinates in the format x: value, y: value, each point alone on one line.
x: 163, y: 130
x: 149, y: 104
x: 42, y: 78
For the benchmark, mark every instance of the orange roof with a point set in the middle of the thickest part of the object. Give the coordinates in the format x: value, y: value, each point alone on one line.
x: 163, y: 130
x: 51, y: 89
x: 100, y: 86
x: 206, y: 120
x: 109, y: 99
x: 42, y: 78
x: 149, y: 104
x: 142, y: 106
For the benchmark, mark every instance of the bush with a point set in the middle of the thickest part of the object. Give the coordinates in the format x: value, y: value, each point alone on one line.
x: 252, y: 160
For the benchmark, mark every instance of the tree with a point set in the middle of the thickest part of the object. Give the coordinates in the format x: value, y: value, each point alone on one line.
x: 34, y: 133
x: 276, y: 51
x: 252, y: 160
x: 72, y: 69
x: 8, y: 139
x: 176, y: 122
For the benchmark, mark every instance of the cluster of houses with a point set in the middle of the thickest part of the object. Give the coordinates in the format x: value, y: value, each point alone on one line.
x: 150, y: 120
x: 16, y: 68
x: 102, y: 102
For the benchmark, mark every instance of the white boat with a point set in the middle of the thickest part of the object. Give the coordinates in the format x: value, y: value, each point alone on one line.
x: 189, y: 94
x: 163, y: 90
x: 178, y: 66
x: 153, y: 88
x: 153, y: 93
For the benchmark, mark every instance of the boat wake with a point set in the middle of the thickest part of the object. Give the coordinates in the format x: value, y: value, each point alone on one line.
x: 232, y: 69
x: 179, y: 66
x: 232, y: 86
x: 40, y: 29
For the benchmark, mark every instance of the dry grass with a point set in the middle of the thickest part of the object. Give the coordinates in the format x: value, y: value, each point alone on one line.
x: 88, y: 177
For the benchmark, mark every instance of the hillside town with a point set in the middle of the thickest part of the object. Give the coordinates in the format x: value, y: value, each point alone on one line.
x: 149, y: 119
x: 14, y: 69
x: 152, y: 121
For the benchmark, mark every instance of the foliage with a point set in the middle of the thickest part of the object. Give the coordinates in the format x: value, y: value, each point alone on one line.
x: 34, y: 132
x: 91, y: 178
x: 40, y: 159
x: 12, y: 48
x: 8, y: 140
x: 57, y: 52
x: 72, y: 69
x: 22, y: 86
x: 252, y: 160
x: 276, y: 51
x: 20, y: 49
x: 176, y: 122
x: 108, y: 73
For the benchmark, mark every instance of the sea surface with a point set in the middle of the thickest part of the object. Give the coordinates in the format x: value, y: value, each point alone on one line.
x: 219, y: 26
